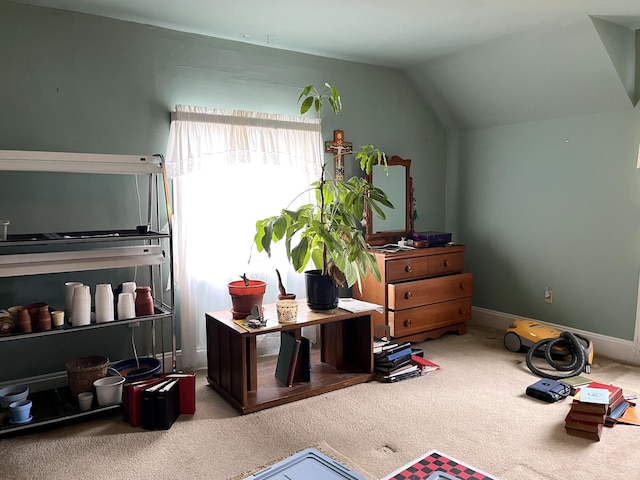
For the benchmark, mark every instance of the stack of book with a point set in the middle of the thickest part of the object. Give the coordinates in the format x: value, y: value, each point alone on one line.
x: 594, y: 406
x: 393, y: 362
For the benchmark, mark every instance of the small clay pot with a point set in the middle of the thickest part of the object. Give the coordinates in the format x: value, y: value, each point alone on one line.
x: 287, y: 296
x: 24, y: 321
x: 44, y: 318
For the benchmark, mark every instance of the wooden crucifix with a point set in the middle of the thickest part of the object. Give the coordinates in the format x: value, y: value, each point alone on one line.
x: 339, y: 148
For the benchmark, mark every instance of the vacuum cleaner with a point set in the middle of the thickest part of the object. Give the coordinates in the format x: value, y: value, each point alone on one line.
x: 566, y: 352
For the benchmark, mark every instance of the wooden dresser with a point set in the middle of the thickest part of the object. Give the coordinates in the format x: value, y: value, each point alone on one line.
x: 424, y: 292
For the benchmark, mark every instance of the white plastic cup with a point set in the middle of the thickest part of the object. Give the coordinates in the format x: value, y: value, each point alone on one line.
x: 104, y: 303
x: 85, y: 400
x: 4, y: 227
x: 81, y: 306
x: 126, y: 306
x: 129, y: 287
x: 69, y: 288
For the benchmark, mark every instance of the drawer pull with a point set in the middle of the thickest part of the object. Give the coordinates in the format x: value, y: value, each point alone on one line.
x: 408, y: 269
x: 463, y: 286
x: 447, y: 263
x: 408, y: 296
x: 462, y: 311
x: 407, y: 322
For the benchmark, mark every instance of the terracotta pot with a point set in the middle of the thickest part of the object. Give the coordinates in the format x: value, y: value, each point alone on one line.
x: 44, y: 318
x: 287, y: 296
x: 34, y: 309
x: 24, y: 321
x: 244, y: 297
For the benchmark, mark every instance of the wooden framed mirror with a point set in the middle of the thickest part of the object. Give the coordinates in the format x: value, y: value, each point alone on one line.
x: 397, y: 184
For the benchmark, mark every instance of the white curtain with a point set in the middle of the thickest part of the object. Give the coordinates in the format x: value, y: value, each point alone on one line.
x: 230, y: 169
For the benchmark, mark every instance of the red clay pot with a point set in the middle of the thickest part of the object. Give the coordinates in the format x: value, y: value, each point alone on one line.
x: 244, y: 297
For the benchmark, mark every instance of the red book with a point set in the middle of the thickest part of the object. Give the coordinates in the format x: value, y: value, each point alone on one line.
x: 571, y: 422
x: 588, y: 417
x: 583, y: 434
x: 614, y: 392
x: 615, y: 399
x: 424, y: 365
x: 187, y: 391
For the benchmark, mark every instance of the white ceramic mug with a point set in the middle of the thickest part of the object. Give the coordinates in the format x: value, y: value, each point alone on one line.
x: 126, y: 306
x: 104, y: 303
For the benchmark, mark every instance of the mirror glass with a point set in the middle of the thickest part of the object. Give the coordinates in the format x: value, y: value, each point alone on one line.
x: 396, y: 183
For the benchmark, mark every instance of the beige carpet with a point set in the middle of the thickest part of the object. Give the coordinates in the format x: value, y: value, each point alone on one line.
x: 474, y: 409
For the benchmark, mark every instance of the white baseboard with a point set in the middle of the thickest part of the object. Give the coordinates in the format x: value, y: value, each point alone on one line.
x: 624, y: 351
x: 59, y: 379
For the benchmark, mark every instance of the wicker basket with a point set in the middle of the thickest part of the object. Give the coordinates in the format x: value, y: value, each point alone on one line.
x: 82, y: 372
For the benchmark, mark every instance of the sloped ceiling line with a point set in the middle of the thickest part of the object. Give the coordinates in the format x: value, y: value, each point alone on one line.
x: 621, y: 44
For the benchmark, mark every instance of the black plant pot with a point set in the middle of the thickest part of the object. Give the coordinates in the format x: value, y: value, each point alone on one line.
x: 322, y: 294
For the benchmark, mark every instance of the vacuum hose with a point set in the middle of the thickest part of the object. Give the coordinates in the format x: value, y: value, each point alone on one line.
x: 571, y: 342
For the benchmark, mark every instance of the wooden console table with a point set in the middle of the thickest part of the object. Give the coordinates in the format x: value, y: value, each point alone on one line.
x: 247, y: 382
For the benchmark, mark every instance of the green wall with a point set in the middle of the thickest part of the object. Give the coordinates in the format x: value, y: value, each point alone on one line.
x: 74, y: 82
x: 552, y: 203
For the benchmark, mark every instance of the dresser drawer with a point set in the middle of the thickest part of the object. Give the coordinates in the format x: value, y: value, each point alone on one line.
x: 402, y: 269
x: 448, y: 263
x: 420, y: 319
x: 429, y: 290
x: 407, y: 268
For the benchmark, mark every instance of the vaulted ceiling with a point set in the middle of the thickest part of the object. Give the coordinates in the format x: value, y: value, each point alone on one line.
x: 477, y: 63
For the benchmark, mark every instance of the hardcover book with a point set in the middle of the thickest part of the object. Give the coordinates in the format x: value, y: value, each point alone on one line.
x: 389, y: 357
x: 187, y: 391
x: 583, y: 434
x: 392, y: 349
x: 616, y: 413
x: 132, y: 400
x: 571, y: 422
x: 588, y: 417
x: 287, y: 358
x: 167, y: 405
x: 148, y: 405
x: 425, y: 366
x: 579, y: 406
x: 303, y: 365
x: 394, y: 365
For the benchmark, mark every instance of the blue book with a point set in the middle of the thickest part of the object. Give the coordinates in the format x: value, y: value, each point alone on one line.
x: 616, y: 413
x: 390, y: 357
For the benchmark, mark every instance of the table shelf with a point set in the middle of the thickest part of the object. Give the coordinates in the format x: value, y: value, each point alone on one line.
x: 345, y: 357
x: 53, y: 407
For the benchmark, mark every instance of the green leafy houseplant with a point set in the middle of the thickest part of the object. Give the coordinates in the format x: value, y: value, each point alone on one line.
x: 329, y: 232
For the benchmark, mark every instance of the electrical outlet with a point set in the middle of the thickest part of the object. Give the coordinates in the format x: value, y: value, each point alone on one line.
x: 548, y: 295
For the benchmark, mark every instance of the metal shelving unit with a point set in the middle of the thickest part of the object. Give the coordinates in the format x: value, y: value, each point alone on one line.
x: 46, y: 253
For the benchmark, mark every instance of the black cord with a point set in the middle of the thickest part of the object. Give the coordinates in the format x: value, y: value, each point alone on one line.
x: 567, y: 340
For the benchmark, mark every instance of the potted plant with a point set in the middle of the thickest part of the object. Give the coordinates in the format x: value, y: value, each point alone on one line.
x: 329, y: 232
x: 245, y: 294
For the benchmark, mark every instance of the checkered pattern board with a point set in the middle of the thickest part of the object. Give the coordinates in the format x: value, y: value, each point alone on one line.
x: 434, y: 461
